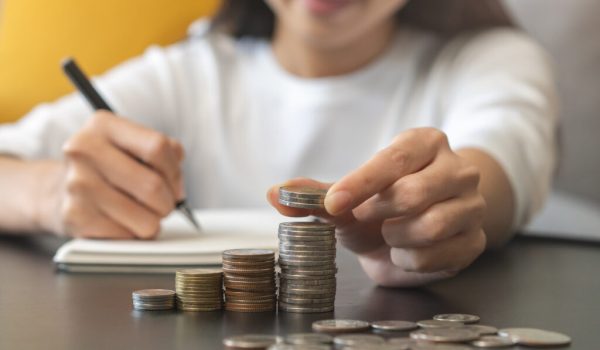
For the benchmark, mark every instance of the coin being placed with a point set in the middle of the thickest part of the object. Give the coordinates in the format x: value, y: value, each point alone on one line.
x: 358, y: 340
x: 462, y: 318
x: 445, y: 335
x: 393, y: 325
x: 493, y: 341
x: 340, y: 326
x: 535, y: 337
x: 308, y: 338
x: 251, y: 341
x: 439, y: 324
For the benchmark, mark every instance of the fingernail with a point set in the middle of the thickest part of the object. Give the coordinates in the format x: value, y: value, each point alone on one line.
x: 337, y: 202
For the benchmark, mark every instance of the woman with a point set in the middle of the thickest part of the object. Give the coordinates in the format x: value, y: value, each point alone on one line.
x: 414, y: 114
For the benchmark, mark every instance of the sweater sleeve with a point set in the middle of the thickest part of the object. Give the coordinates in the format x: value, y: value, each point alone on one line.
x: 501, y: 98
x: 138, y: 89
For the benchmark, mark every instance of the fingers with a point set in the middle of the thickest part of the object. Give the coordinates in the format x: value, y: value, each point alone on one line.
x: 114, y: 205
x: 123, y: 172
x: 82, y: 219
x: 151, y: 147
x: 412, y: 194
x: 411, y: 151
x: 452, y: 254
x: 438, y: 223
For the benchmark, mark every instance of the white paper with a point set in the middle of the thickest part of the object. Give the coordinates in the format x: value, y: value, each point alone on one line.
x: 179, y: 243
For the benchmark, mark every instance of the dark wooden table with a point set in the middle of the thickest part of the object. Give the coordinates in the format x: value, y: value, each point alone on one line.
x: 533, y: 282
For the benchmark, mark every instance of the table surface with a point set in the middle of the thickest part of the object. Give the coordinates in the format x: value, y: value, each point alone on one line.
x: 533, y: 282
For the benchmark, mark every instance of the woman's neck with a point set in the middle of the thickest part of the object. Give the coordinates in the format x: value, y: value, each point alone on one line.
x: 307, y: 60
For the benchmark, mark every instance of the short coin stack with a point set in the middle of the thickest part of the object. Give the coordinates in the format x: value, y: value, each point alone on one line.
x: 153, y: 299
x: 302, y: 197
x: 199, y: 289
x: 249, y: 280
x: 307, y: 260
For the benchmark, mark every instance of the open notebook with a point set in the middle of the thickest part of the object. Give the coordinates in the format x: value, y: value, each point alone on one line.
x: 177, y: 246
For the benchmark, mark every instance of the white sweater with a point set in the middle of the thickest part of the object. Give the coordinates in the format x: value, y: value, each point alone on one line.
x: 247, y: 124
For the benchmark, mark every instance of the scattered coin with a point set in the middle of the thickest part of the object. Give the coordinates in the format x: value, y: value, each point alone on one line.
x: 535, y: 337
x: 462, y: 318
x: 153, y: 299
x: 493, y: 341
x: 308, y: 338
x: 482, y: 329
x: 251, y: 341
x: 403, y: 343
x: 393, y: 325
x: 438, y: 324
x: 307, y: 280
x: 358, y: 340
x: 445, y: 335
x: 340, y: 326
x: 299, y: 347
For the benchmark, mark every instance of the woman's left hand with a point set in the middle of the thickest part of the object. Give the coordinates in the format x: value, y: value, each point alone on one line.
x: 413, y: 213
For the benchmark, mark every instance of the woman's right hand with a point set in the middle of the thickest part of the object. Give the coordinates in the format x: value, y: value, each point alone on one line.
x: 118, y: 181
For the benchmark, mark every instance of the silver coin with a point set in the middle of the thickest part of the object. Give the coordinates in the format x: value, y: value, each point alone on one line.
x: 311, y: 282
x: 308, y: 238
x: 445, y: 335
x: 340, y: 326
x: 316, y: 255
x: 306, y: 301
x: 493, y: 341
x: 153, y: 293
x: 439, y: 346
x: 305, y: 273
x: 299, y: 347
x: 535, y: 337
x: 393, y: 325
x: 251, y: 341
x: 301, y: 200
x: 308, y: 338
x: 303, y: 309
x: 301, y: 205
x: 403, y: 343
x: 462, y: 318
x: 307, y: 248
x: 302, y: 191
x: 482, y: 329
x: 306, y: 226
x: 358, y: 340
x: 438, y: 324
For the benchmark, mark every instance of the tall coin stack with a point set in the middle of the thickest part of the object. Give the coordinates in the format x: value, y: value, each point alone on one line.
x: 249, y: 280
x: 199, y: 289
x: 307, y: 252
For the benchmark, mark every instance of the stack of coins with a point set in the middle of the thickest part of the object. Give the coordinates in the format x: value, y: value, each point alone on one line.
x: 302, y: 197
x: 153, y: 299
x: 199, y: 289
x: 249, y: 280
x: 307, y: 260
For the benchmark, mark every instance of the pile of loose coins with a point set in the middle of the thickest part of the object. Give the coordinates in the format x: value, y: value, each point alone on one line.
x: 307, y: 281
x: 249, y: 280
x: 199, y: 289
x: 443, y: 332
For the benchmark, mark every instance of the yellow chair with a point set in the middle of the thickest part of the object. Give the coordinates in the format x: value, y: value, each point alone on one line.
x: 35, y: 35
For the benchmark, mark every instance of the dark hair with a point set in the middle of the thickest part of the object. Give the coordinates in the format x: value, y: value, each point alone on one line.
x: 254, y: 18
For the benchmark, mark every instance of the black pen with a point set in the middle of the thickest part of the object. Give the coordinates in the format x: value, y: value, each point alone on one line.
x: 85, y: 87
